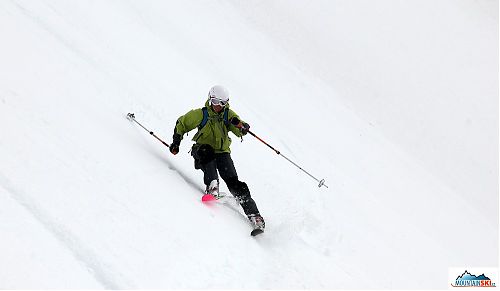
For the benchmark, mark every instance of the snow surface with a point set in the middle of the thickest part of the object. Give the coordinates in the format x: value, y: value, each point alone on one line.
x: 394, y: 103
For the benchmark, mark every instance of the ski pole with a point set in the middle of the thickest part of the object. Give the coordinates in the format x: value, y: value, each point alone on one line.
x: 321, y: 182
x: 131, y: 117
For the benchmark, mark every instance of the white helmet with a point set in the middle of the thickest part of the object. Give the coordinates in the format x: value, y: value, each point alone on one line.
x: 219, y: 92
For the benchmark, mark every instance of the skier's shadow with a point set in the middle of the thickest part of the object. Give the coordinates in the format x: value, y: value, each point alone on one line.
x: 161, y: 156
x: 195, y: 185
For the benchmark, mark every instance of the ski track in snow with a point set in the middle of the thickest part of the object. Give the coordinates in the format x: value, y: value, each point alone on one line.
x: 102, y: 272
x: 64, y: 41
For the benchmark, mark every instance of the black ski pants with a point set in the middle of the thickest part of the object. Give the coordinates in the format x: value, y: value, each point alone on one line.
x: 212, y: 164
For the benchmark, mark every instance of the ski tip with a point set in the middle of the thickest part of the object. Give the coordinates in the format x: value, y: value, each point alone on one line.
x: 208, y: 198
x: 256, y: 231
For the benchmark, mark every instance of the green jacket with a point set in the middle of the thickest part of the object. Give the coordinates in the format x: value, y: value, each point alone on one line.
x: 214, y: 133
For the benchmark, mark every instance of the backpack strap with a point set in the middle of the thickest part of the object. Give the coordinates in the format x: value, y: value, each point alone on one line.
x: 205, y: 118
x: 226, y: 116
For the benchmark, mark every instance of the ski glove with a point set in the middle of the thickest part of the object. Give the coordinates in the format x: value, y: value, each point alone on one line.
x: 244, y: 127
x: 174, y: 146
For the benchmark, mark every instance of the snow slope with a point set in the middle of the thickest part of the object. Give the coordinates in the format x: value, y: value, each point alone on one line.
x: 432, y: 66
x: 91, y: 201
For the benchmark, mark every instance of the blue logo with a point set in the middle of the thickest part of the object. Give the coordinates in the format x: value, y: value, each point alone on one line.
x: 469, y: 280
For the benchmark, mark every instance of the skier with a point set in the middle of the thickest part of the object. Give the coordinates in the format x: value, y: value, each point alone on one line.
x: 211, y: 149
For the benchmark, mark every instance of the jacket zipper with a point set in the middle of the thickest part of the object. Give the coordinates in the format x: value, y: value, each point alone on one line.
x: 221, y: 125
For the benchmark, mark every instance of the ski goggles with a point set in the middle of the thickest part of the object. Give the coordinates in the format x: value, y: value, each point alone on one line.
x: 216, y: 101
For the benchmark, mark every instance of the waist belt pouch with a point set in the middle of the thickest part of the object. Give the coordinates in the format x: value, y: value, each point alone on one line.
x: 202, y: 154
